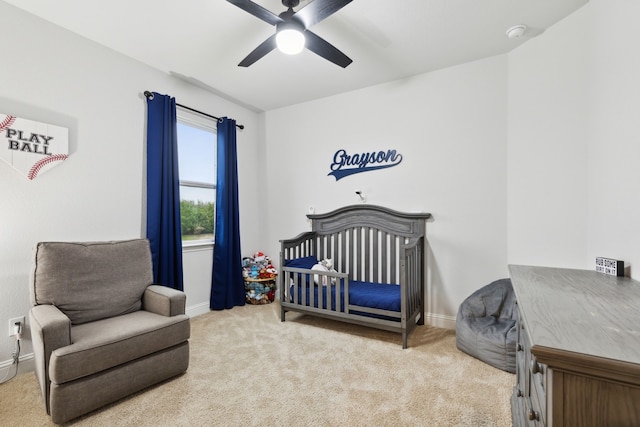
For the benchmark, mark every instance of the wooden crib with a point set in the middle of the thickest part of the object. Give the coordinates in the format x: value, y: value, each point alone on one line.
x: 379, y: 258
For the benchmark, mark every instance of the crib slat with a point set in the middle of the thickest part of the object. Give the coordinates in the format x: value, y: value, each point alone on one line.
x: 351, y: 250
x: 355, y: 245
x: 367, y: 254
x: 340, y: 264
x: 375, y: 256
x: 394, y: 257
x: 357, y: 253
x: 344, y: 309
x: 295, y: 288
x: 309, y: 287
x: 326, y: 247
x: 383, y: 257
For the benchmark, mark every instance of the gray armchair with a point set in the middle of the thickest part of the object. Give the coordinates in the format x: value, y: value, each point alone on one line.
x: 100, y: 329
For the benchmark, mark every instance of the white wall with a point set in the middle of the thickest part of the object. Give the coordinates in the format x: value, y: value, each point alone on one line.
x: 547, y: 163
x: 450, y: 127
x: 51, y: 75
x: 574, y: 141
x: 614, y: 133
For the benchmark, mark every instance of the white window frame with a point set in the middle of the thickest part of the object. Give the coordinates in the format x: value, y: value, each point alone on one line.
x: 208, y: 124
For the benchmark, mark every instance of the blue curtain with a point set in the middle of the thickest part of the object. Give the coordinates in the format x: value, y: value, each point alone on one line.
x: 227, y: 284
x: 163, y: 191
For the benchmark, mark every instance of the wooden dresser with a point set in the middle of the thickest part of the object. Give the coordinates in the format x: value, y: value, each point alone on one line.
x: 578, y: 350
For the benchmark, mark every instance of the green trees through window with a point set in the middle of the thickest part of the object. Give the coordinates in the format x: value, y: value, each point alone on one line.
x: 197, y: 219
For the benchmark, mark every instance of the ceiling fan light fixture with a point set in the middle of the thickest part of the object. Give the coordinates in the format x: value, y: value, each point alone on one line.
x: 290, y: 41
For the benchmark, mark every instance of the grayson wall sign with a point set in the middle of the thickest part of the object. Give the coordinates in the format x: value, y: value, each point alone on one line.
x: 31, y: 147
x: 345, y: 164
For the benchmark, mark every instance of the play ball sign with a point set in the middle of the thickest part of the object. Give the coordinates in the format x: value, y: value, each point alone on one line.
x: 32, y: 148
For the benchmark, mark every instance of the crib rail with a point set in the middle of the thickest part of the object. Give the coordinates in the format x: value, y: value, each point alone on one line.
x: 301, y: 289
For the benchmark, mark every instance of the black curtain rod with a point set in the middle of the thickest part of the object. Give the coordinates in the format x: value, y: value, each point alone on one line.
x: 150, y: 96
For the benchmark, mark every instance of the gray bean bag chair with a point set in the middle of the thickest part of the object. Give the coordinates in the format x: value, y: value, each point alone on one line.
x: 486, y: 325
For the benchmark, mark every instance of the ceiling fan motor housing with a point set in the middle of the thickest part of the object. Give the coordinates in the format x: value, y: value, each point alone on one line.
x: 290, y: 3
x: 290, y: 24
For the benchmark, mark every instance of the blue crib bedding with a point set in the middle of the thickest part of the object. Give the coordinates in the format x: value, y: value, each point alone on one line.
x: 365, y: 294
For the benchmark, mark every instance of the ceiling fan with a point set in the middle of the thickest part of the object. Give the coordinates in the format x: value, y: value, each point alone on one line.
x: 295, y: 25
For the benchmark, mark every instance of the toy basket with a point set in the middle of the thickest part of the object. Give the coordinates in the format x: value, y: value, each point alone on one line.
x: 259, y: 279
x: 260, y: 291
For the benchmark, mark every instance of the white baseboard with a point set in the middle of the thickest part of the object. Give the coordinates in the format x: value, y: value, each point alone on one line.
x: 440, y: 321
x: 27, y: 364
x: 198, y: 309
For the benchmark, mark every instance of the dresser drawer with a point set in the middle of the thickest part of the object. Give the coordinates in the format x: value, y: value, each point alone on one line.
x: 534, y: 413
x: 521, y: 370
x: 526, y: 406
x: 538, y: 374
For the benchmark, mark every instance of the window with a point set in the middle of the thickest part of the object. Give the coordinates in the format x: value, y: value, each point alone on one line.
x: 197, y: 163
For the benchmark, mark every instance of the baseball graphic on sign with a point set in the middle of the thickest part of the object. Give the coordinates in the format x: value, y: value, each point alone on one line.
x: 32, y: 148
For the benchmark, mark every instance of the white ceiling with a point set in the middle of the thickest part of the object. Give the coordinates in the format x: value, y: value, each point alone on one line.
x: 204, y: 40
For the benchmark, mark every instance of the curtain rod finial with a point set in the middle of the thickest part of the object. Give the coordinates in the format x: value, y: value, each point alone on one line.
x: 148, y: 94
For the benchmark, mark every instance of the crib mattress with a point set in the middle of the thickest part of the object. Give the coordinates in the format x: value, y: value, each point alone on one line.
x: 365, y: 294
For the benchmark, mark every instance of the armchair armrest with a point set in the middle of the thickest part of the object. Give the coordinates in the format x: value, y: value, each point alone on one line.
x: 163, y: 300
x: 50, y: 330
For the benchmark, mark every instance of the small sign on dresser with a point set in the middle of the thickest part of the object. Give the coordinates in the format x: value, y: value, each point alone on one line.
x: 610, y: 266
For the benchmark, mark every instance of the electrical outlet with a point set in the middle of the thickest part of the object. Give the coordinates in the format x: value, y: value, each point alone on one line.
x: 12, y: 325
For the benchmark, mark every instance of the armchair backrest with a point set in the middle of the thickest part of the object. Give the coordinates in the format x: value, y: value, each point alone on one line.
x: 89, y: 281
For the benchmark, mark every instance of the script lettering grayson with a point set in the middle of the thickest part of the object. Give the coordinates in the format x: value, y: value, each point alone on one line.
x: 345, y: 164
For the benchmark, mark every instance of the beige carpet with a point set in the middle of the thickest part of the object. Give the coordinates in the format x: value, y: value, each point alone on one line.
x: 249, y: 369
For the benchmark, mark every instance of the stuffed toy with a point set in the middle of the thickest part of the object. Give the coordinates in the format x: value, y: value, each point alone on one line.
x: 255, y: 272
x: 273, y: 272
x: 324, y: 265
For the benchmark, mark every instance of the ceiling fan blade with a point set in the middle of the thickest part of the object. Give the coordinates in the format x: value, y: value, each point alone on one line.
x: 318, y: 10
x: 265, y: 47
x: 323, y: 48
x: 257, y: 11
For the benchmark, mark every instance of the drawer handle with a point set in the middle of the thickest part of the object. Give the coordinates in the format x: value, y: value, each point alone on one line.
x: 535, y: 368
x: 533, y: 415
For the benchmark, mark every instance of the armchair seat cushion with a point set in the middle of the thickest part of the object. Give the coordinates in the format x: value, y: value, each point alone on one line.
x: 107, y: 343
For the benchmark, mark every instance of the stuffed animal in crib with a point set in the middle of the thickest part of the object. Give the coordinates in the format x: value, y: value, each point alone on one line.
x: 324, y: 265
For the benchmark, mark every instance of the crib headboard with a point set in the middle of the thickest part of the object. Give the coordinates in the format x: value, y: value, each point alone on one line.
x: 367, y: 241
x: 410, y: 225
